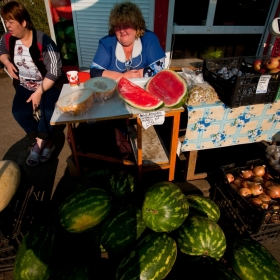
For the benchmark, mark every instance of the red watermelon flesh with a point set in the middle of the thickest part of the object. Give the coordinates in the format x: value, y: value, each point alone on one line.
x: 169, y: 87
x: 136, y: 96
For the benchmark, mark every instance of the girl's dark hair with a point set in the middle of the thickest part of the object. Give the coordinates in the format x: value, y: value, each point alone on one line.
x: 16, y: 11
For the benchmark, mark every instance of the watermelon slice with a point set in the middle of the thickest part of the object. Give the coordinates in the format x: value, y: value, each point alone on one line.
x: 136, y: 96
x: 169, y: 87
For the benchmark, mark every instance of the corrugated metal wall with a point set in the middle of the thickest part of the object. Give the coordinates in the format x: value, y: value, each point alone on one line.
x: 91, y: 23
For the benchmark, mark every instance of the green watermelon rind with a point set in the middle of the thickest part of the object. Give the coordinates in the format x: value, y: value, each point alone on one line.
x: 204, y: 206
x: 200, y: 236
x: 133, y: 103
x: 152, y: 258
x: 251, y: 260
x: 181, y: 99
x: 165, y: 207
x: 83, y: 210
x: 113, y: 239
x: 35, y: 253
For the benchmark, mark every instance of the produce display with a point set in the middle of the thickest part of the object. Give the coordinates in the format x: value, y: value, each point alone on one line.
x: 166, y: 88
x: 152, y: 258
x: 76, y: 102
x: 128, y: 220
x: 136, y: 96
x: 169, y: 87
x: 35, y: 254
x: 200, y: 236
x: 146, y: 236
x: 258, y: 187
x: 252, y: 261
x: 103, y: 87
x: 83, y: 210
x: 165, y: 207
x: 268, y: 65
x: 203, y: 206
x: 10, y: 176
x: 201, y: 93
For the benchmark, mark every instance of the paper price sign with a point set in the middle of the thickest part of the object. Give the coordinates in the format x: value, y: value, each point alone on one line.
x: 263, y: 83
x: 152, y: 118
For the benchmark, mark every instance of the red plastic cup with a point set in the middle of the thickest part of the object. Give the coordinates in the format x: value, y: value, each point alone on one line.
x: 73, y: 78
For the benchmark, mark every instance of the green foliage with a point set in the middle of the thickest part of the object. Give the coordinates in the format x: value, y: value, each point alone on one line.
x: 37, y: 11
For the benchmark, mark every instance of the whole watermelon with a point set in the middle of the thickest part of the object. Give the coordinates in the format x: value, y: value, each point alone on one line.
x: 252, y: 261
x: 122, y: 230
x: 121, y: 183
x: 83, y: 210
x: 203, y: 206
x: 200, y: 236
x: 96, y: 177
x: 165, y: 207
x: 35, y: 253
x: 152, y: 258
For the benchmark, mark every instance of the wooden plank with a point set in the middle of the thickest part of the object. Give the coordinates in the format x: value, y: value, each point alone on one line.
x: 153, y: 149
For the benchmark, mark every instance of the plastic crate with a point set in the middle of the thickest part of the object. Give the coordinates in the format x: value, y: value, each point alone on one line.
x: 245, y: 217
x: 238, y: 224
x: 239, y: 90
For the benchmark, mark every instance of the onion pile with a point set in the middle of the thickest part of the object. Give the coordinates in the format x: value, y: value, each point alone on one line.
x: 257, y: 186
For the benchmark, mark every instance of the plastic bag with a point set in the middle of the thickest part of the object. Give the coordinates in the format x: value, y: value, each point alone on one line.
x: 198, y: 89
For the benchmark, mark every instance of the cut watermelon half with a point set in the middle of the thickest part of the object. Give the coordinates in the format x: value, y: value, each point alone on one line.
x: 136, y: 96
x: 169, y: 87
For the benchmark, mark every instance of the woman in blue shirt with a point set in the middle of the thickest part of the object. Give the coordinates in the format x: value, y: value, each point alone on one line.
x: 130, y: 50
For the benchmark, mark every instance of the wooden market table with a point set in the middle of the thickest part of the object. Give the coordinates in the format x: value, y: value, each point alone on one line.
x: 213, y: 125
x: 115, y: 108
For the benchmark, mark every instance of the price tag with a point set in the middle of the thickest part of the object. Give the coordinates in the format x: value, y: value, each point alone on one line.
x: 263, y: 83
x: 152, y: 118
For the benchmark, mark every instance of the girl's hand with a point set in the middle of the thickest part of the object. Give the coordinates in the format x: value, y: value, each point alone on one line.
x: 35, y: 98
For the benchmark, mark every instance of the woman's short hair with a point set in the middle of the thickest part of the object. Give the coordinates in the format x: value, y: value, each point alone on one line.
x: 127, y: 12
x: 16, y: 11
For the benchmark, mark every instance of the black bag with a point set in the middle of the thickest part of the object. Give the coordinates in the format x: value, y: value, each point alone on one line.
x: 122, y: 142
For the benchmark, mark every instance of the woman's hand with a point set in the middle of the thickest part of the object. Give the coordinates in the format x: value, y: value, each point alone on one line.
x: 12, y: 70
x: 35, y: 98
x: 133, y: 74
x: 129, y: 74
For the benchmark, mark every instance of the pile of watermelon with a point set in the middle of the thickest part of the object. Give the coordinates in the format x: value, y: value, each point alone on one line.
x: 167, y: 88
x: 159, y: 234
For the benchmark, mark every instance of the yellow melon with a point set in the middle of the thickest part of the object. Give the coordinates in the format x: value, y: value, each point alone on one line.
x: 10, y: 175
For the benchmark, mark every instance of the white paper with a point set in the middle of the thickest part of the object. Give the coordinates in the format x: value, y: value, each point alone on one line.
x: 152, y: 118
x: 263, y: 83
x: 179, y: 145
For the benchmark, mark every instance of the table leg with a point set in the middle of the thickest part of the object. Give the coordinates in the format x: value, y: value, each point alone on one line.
x: 74, y: 147
x: 139, y: 149
x: 173, y: 146
x: 190, y: 167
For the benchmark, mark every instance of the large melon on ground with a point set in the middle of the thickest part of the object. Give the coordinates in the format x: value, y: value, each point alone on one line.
x: 84, y: 210
x: 165, y: 207
x: 10, y: 175
x: 36, y: 253
x: 136, y: 96
x: 169, y: 87
x: 251, y: 260
x: 200, y: 236
x: 203, y: 206
x: 152, y: 258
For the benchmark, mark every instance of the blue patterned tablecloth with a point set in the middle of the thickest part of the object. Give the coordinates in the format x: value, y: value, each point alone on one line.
x: 212, y: 125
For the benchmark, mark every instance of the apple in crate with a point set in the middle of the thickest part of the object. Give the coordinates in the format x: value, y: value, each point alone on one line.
x: 271, y: 63
x: 257, y: 65
x: 274, y: 70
